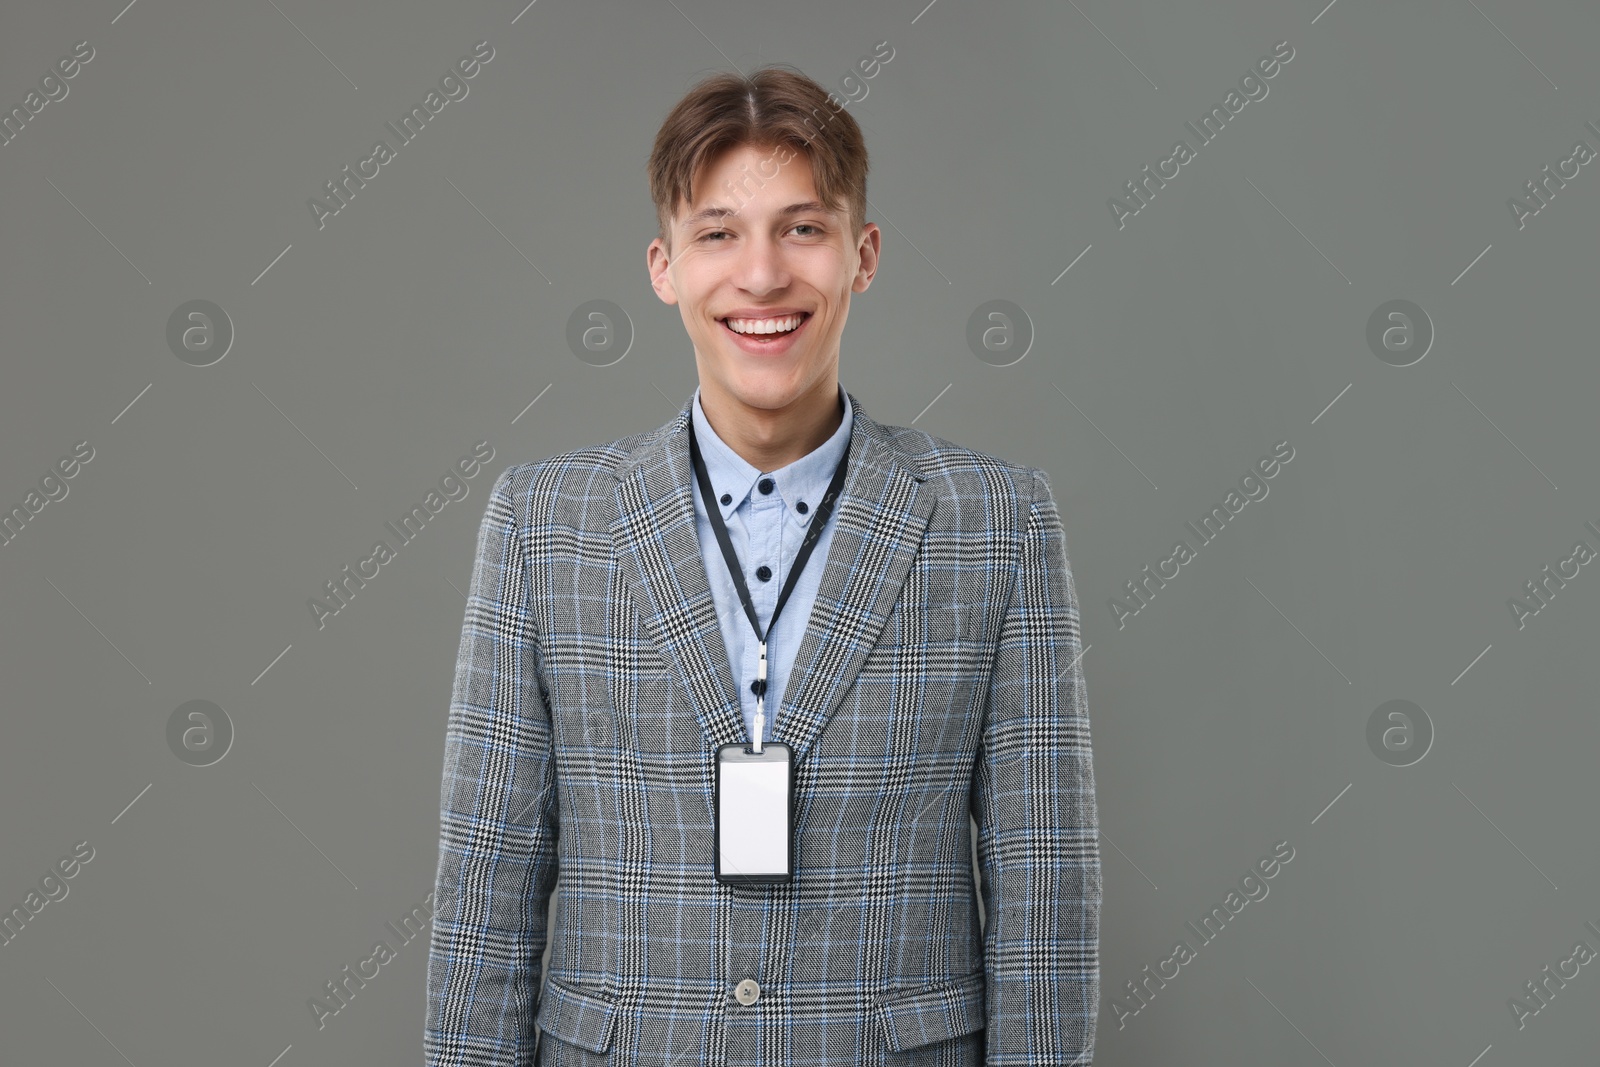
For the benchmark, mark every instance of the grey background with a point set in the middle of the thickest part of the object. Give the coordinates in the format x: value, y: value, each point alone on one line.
x: 1226, y: 316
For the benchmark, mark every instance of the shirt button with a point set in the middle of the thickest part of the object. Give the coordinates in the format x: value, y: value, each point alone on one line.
x: 801, y: 507
x: 765, y: 485
x: 764, y: 572
x: 747, y: 991
x: 727, y: 498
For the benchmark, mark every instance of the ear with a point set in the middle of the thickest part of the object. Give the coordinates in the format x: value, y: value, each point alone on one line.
x: 657, y: 260
x: 869, y: 249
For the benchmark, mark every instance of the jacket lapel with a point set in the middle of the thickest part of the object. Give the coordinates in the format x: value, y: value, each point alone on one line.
x: 879, y: 519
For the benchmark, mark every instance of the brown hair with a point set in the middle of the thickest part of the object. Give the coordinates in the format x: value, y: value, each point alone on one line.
x: 775, y: 106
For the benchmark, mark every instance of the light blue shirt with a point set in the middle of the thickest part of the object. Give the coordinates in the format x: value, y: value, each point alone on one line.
x: 765, y: 529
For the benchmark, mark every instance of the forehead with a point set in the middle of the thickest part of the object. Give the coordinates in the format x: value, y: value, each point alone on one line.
x: 751, y: 180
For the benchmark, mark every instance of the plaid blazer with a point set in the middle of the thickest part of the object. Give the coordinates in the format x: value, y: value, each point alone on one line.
x: 938, y: 676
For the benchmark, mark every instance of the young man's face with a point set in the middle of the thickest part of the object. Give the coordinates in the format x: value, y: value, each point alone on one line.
x: 758, y: 246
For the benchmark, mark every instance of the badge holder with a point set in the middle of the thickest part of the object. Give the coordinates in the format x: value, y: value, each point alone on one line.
x: 753, y: 817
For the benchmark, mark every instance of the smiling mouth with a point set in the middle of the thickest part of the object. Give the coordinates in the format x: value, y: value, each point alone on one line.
x: 767, y: 335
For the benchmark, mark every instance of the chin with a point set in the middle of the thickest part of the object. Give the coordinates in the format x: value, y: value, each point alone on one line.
x: 762, y: 392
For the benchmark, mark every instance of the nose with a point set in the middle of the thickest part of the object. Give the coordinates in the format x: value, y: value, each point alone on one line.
x: 761, y: 268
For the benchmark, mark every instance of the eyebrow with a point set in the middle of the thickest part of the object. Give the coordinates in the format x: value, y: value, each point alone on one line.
x: 717, y: 211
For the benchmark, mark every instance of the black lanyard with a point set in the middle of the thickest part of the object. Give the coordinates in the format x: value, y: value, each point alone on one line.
x: 729, y: 556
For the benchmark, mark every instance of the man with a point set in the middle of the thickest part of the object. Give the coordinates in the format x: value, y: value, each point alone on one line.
x: 621, y: 669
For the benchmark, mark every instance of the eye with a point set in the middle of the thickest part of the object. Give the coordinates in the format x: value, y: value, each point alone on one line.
x: 808, y: 226
x: 713, y: 233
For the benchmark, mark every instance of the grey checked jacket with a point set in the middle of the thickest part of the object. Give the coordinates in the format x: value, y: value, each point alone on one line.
x: 938, y: 677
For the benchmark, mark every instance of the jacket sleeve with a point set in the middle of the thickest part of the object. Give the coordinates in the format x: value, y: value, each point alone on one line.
x: 1034, y: 804
x: 497, y: 817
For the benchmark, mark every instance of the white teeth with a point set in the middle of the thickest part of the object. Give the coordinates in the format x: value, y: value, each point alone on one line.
x: 783, y: 325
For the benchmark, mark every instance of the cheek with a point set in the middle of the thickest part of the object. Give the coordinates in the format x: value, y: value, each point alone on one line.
x: 692, y: 288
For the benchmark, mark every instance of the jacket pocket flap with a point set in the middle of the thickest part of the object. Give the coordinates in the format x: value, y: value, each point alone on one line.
x: 582, y: 1017
x: 932, y: 1013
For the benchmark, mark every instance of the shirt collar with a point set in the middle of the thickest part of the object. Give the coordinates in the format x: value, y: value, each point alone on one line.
x: 804, y: 481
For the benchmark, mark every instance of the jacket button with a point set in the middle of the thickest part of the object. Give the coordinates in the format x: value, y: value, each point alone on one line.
x: 747, y: 991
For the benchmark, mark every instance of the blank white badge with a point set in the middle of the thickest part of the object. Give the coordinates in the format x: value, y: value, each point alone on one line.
x: 753, y: 818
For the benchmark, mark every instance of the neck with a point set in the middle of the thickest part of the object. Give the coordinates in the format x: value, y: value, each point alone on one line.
x: 768, y: 439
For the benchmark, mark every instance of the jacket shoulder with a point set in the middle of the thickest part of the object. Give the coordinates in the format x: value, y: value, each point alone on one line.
x: 585, y: 471
x: 968, y: 473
